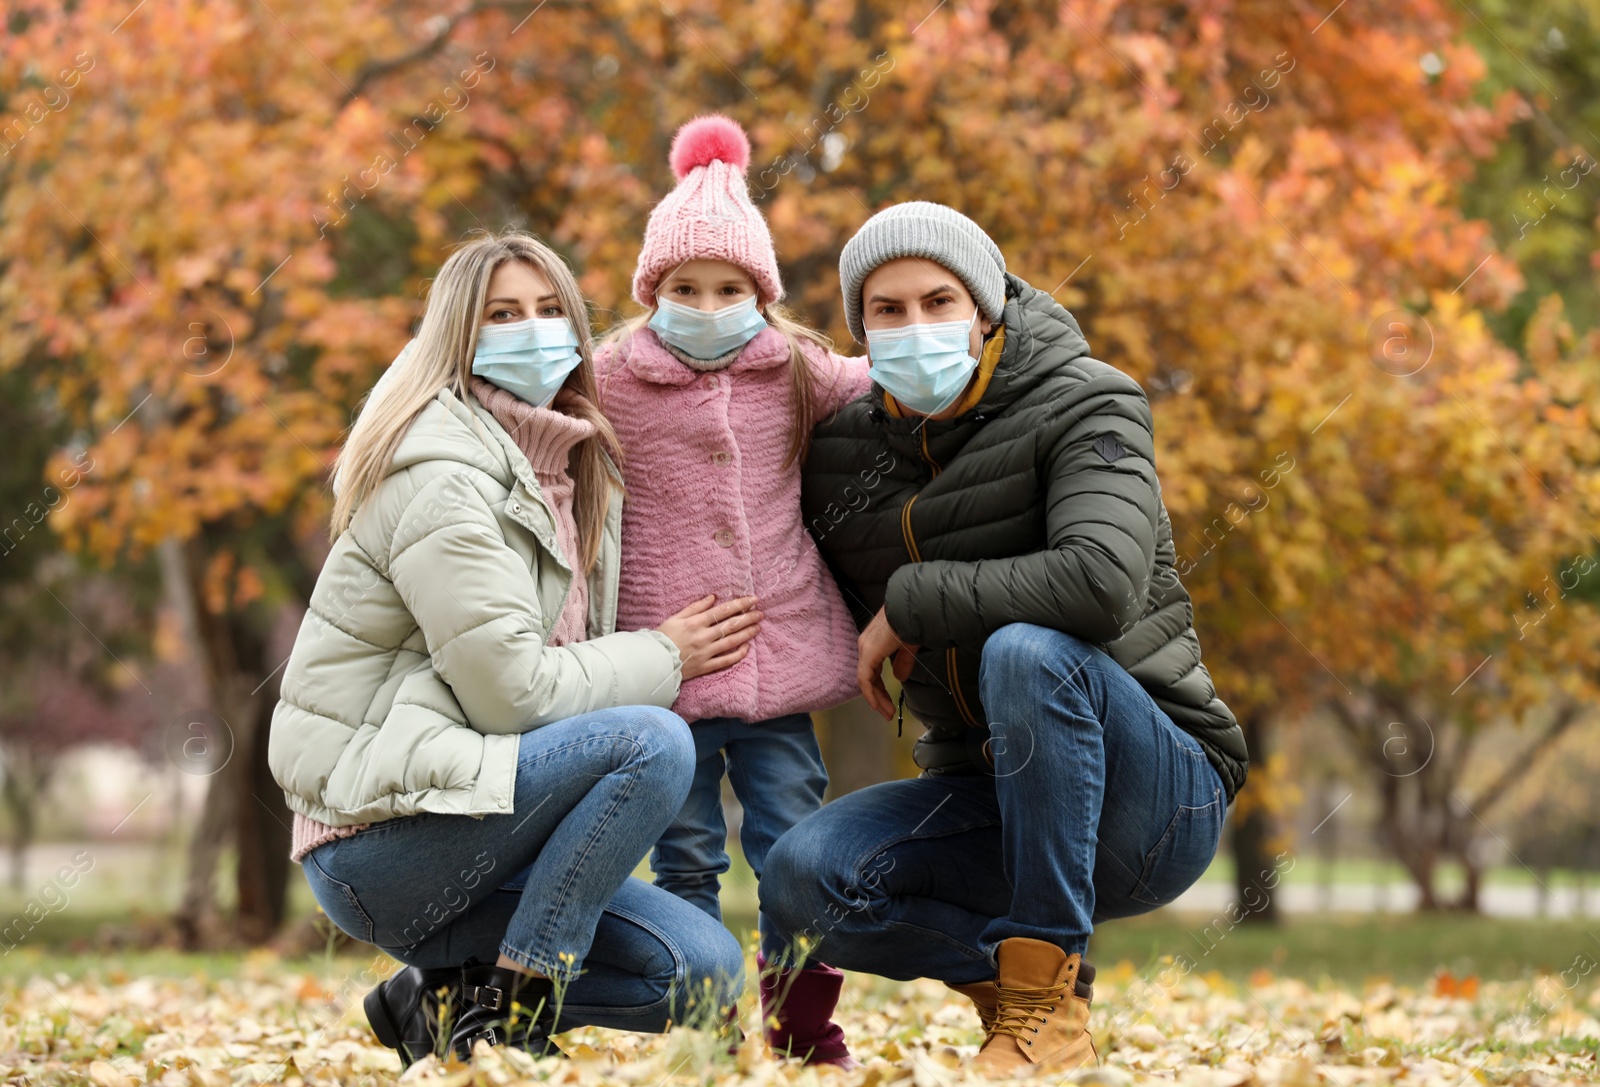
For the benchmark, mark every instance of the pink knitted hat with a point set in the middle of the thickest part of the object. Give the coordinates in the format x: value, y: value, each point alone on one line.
x: 709, y: 215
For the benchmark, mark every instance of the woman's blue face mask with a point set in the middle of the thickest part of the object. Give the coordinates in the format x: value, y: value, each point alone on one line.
x: 707, y: 334
x: 529, y: 359
x: 926, y: 367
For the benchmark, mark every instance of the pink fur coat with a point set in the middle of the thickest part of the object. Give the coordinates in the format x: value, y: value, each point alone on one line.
x: 711, y: 509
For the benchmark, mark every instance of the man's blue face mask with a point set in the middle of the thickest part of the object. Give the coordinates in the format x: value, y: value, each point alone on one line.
x: 925, y: 367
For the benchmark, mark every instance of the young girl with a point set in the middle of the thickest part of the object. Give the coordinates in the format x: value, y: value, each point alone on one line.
x: 476, y: 756
x: 713, y: 394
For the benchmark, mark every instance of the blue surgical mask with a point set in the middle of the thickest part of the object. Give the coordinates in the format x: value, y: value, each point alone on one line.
x: 707, y: 334
x: 529, y: 359
x: 925, y: 367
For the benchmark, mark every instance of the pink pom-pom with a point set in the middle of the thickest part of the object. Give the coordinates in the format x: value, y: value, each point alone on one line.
x: 708, y: 139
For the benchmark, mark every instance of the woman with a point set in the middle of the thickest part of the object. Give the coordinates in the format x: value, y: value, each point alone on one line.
x: 475, y: 757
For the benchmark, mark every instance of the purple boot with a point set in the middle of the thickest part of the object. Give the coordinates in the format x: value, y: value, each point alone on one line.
x: 802, y: 1002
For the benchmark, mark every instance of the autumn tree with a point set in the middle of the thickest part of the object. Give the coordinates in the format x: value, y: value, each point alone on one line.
x: 1540, y: 190
x: 59, y: 689
x: 217, y: 219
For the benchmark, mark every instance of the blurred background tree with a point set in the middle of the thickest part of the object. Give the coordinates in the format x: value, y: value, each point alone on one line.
x: 1546, y: 57
x: 74, y: 641
x: 1289, y: 223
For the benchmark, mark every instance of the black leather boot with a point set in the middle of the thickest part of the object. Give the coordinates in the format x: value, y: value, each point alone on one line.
x: 413, y: 1010
x: 504, y: 1007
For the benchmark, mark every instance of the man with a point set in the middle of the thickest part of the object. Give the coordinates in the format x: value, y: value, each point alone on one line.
x: 991, y: 508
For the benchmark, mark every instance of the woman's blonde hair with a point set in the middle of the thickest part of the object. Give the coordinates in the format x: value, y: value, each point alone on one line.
x: 441, y: 358
x: 803, y: 379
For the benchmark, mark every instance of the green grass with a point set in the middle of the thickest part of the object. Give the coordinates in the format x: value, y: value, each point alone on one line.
x: 1343, y: 949
x: 1337, y: 950
x: 1407, y: 948
x: 1311, y: 870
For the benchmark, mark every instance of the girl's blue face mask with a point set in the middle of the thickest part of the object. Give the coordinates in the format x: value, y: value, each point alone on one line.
x: 925, y: 367
x: 529, y: 359
x: 707, y: 334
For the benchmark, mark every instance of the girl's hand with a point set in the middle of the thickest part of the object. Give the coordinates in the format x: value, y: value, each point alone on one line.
x: 712, y: 636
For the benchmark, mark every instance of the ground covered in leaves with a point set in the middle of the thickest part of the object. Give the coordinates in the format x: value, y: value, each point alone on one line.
x: 275, y: 1022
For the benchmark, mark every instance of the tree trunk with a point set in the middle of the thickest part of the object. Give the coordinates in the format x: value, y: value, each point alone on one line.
x: 1253, y: 863
x: 1468, y: 902
x: 244, y: 807
x: 262, y: 836
x: 24, y: 781
x: 1422, y: 874
x: 199, y: 924
x: 1408, y: 842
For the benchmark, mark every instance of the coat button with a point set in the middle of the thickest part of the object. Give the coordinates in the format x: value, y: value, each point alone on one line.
x: 515, y: 506
x: 711, y: 381
x: 724, y: 537
x: 722, y: 456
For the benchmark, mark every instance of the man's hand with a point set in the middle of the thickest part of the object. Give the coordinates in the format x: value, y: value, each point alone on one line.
x: 877, y: 644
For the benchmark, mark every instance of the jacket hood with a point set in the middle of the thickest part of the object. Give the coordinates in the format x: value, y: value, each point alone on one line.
x: 432, y: 436
x: 447, y: 429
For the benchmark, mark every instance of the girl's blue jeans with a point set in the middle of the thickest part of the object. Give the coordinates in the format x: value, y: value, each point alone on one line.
x: 550, y: 885
x: 1098, y: 807
x: 778, y: 777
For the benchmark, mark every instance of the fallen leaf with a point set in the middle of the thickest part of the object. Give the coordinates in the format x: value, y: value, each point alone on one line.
x: 108, y: 1075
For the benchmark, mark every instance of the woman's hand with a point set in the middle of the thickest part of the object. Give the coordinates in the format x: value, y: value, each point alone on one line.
x: 712, y: 636
x: 877, y: 644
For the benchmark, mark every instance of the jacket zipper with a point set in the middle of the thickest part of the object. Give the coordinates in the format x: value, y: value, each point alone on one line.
x: 955, y: 688
x: 905, y: 529
x: 927, y: 456
x: 916, y: 556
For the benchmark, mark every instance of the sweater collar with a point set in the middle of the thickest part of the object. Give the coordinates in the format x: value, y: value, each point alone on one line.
x: 649, y: 358
x: 704, y: 366
x: 545, y: 435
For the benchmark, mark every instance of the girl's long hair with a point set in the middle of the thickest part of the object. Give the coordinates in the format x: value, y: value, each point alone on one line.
x: 441, y: 358
x: 803, y: 380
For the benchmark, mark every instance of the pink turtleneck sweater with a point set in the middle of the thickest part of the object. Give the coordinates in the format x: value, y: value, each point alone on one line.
x: 546, y: 437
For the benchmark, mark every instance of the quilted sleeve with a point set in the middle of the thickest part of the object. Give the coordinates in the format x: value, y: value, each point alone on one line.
x: 477, y: 605
x: 1101, y: 516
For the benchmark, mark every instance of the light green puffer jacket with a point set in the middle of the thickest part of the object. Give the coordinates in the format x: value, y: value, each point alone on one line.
x: 422, y: 658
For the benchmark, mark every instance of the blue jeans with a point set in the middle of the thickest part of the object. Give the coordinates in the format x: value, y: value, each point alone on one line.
x: 549, y: 884
x: 1098, y: 807
x: 778, y: 776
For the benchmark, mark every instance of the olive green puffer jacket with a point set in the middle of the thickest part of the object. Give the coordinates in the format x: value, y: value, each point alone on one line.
x: 422, y: 656
x: 1039, y: 504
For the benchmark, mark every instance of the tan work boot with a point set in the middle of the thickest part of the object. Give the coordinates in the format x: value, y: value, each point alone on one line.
x: 1042, y: 1019
x: 986, y: 997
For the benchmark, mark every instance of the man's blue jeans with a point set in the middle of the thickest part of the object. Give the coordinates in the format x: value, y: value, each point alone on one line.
x: 549, y: 885
x: 778, y: 776
x: 1099, y: 807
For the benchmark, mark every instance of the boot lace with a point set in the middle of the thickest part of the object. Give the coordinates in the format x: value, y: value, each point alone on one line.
x: 1019, y: 1008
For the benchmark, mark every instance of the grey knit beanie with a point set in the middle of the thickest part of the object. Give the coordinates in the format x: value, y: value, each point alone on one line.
x: 923, y: 229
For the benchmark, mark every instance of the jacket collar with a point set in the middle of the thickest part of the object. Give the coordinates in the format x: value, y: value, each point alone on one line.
x: 647, y: 357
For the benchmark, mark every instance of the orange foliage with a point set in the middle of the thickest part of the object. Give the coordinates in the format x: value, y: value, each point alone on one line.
x: 1252, y: 207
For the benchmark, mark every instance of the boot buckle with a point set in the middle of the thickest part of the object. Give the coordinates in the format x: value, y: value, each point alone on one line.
x: 475, y: 993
